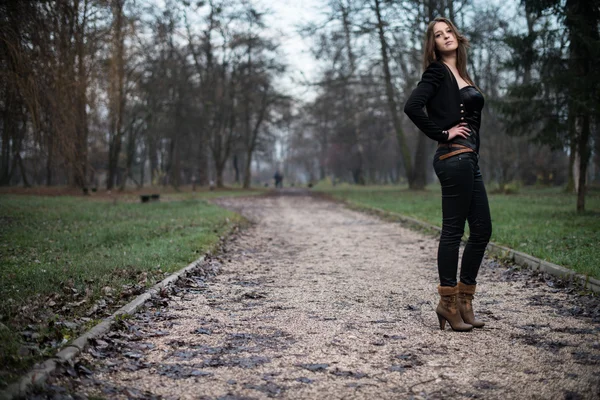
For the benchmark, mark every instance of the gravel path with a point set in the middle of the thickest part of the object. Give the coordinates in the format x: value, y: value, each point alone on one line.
x: 316, y: 301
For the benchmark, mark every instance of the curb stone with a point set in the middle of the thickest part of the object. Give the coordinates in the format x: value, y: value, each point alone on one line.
x: 39, y: 374
x: 537, y: 264
x: 519, y: 258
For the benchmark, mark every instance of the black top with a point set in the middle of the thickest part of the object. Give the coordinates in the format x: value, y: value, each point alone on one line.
x: 473, y: 104
x: 438, y: 91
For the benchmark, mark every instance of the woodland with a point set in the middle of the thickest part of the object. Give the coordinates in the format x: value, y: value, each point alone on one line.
x: 115, y: 93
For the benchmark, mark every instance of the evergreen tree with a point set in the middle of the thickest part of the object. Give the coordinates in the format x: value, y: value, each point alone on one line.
x: 560, y: 105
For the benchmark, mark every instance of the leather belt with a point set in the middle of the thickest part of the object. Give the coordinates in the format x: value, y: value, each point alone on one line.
x: 460, y: 147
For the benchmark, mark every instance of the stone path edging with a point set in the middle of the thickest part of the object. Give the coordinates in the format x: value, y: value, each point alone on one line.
x: 519, y: 258
x: 40, y: 373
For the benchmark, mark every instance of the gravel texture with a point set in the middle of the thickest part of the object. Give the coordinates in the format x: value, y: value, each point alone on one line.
x: 316, y: 301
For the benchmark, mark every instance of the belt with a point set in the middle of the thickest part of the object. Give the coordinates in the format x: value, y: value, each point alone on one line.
x: 460, y: 147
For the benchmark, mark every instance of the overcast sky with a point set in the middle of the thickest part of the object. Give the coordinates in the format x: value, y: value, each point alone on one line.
x: 286, y: 16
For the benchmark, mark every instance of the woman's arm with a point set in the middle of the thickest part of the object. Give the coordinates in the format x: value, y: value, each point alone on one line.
x: 427, y: 88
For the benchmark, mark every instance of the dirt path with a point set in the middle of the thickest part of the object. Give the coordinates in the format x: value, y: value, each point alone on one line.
x: 316, y: 301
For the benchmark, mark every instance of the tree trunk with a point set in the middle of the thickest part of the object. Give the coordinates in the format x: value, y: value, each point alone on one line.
x: 202, y: 177
x: 574, y: 169
x: 248, y: 169
x: 129, y: 157
x: 175, y: 157
x: 153, y: 157
x: 389, y: 89
x: 596, y: 141
x: 117, y: 92
x: 81, y: 124
x: 419, y: 178
x: 571, y: 183
x: 13, y: 167
x: 323, y: 143
x: 236, y: 168
x: 582, y: 22
x: 23, y: 172
x: 7, y: 125
x: 143, y: 167
x: 351, y: 109
x: 175, y: 171
x: 451, y: 14
x: 584, y: 158
x: 49, y: 160
x: 253, y: 133
x: 219, y: 168
x: 114, y: 150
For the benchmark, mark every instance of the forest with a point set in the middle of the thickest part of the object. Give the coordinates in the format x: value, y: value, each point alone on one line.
x: 116, y: 93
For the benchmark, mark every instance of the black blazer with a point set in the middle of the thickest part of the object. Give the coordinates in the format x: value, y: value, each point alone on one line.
x: 438, y: 91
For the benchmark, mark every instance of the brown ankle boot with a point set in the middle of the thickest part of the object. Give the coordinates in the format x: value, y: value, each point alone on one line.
x: 447, y: 309
x: 465, y: 306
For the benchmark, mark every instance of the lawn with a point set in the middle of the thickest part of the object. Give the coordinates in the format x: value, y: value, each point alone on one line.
x: 66, y: 262
x: 537, y: 221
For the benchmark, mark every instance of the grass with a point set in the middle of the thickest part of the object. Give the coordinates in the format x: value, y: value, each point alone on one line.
x: 537, y: 221
x: 62, y: 257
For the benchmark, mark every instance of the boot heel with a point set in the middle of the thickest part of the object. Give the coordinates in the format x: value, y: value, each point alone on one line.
x: 447, y: 310
x: 442, y: 322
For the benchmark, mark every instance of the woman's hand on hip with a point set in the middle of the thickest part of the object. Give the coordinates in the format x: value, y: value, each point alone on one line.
x: 461, y: 130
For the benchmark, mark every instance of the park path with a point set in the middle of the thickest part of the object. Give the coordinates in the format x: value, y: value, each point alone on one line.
x: 316, y: 301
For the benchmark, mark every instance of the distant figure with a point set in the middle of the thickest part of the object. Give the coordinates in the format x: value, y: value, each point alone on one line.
x: 453, y: 119
x: 278, y: 179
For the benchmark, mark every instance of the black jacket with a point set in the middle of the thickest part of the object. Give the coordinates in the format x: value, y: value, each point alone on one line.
x: 438, y: 91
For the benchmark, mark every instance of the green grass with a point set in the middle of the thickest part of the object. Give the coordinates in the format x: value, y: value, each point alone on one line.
x: 60, y: 255
x: 541, y: 222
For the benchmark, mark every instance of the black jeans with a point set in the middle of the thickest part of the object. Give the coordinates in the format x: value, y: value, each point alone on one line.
x: 463, y: 199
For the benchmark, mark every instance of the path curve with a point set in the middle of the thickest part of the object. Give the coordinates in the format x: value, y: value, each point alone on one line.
x: 316, y: 301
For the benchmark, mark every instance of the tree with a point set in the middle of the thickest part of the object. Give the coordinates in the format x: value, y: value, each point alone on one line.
x: 117, y: 95
x: 561, y: 106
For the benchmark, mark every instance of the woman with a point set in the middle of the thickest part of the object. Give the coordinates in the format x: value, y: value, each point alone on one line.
x: 453, y: 119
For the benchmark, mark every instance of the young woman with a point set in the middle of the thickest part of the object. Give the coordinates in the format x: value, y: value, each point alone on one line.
x: 453, y: 119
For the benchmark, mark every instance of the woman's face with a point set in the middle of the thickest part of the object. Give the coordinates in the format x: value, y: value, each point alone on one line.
x: 445, y: 40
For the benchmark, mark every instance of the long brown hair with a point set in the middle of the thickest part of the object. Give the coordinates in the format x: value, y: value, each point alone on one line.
x: 431, y: 54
